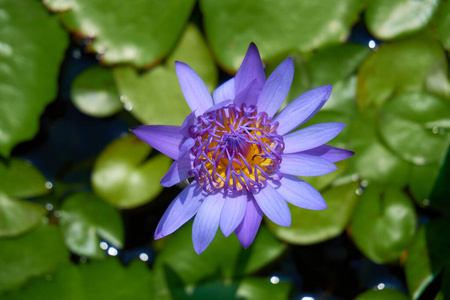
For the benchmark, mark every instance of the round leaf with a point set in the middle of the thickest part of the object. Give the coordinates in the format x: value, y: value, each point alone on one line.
x: 136, y: 32
x: 422, y: 180
x: 122, y: 175
x: 262, y: 289
x: 442, y: 23
x: 383, y: 223
x: 85, y: 218
x: 28, y: 73
x: 416, y: 126
x: 314, y: 226
x: 385, y: 294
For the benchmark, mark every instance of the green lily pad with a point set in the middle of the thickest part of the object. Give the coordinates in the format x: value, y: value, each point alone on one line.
x: 252, y: 288
x: 416, y: 126
x: 428, y: 255
x: 385, y: 294
x: 94, y: 92
x: 275, y: 28
x: 34, y: 254
x: 383, y: 223
x: 19, y: 178
x: 324, y: 181
x: 397, y: 67
x: 136, y: 32
x: 122, y: 175
x: 315, y: 226
x: 442, y: 23
x: 155, y: 97
x: 343, y: 98
x: 388, y: 19
x: 28, y: 75
x: 18, y: 216
x: 83, y: 225
x: 421, y: 182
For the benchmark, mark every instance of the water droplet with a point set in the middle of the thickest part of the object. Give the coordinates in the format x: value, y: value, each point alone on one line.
x: 381, y: 286
x: 128, y: 106
x: 435, y: 130
x: 113, y: 251
x: 426, y: 202
x: 359, y: 191
x: 83, y: 259
x: 307, y: 298
x: 76, y: 54
x: 48, y: 185
x: 364, y: 183
x: 274, y: 279
x: 372, y: 44
x: 143, y: 256
x: 418, y: 160
x: 355, y: 177
x: 57, y: 214
x: 104, y: 245
x: 49, y: 206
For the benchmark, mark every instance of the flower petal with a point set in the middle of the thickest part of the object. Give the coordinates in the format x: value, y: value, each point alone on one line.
x: 249, y: 95
x: 232, y: 213
x: 206, y: 221
x: 276, y: 88
x: 330, y: 153
x: 165, y: 139
x: 181, y: 210
x: 194, y: 89
x: 299, y: 193
x: 311, y: 137
x: 246, y: 231
x: 302, y: 109
x: 273, y: 205
x: 250, y: 69
x: 186, y: 146
x: 301, y: 164
x: 224, y: 92
x: 179, y: 171
x: 188, y: 122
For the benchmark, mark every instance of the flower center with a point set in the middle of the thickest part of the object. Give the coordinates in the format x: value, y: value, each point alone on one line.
x: 236, y: 148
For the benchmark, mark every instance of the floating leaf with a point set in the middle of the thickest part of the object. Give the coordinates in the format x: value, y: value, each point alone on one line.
x: 422, y: 180
x: 122, y: 175
x: 416, y: 126
x: 136, y: 32
x: 262, y: 289
x: 85, y: 219
x: 385, y: 294
x: 276, y: 29
x: 28, y: 74
x: 442, y: 23
x: 388, y: 19
x: 314, y: 226
x: 383, y: 223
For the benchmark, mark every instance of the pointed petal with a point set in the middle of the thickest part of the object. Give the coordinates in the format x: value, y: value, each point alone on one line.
x: 249, y: 95
x: 330, y: 153
x: 224, y: 92
x: 232, y: 213
x: 206, y: 221
x: 250, y: 69
x: 188, y: 122
x: 194, y: 89
x: 276, y: 88
x: 302, y: 109
x: 165, y: 139
x: 181, y: 210
x: 246, y: 231
x: 299, y: 193
x: 301, y: 164
x: 311, y: 137
x: 273, y: 206
x: 178, y: 172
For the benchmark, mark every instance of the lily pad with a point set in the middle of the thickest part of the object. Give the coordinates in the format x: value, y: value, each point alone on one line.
x: 397, y: 67
x: 28, y: 75
x: 94, y: 92
x: 34, y: 254
x: 416, y: 126
x: 388, y: 19
x: 315, y: 226
x: 383, y: 223
x: 275, y: 28
x: 85, y: 219
x: 19, y: 178
x: 122, y: 175
x: 422, y: 180
x: 442, y: 23
x: 385, y: 294
x: 136, y: 32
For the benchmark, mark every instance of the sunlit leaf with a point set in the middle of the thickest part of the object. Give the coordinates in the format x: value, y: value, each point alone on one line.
x: 385, y: 294
x: 30, y: 57
x: 261, y: 288
x: 85, y: 219
x: 442, y: 23
x: 122, y: 175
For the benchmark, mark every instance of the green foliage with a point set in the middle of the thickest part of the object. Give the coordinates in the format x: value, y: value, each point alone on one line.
x: 385, y: 294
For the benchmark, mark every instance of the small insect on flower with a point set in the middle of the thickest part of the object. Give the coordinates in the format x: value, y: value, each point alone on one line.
x: 243, y: 159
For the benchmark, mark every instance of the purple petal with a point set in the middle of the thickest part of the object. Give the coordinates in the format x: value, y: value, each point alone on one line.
x: 249, y: 95
x: 194, y: 89
x: 186, y: 146
x: 250, y: 69
x: 299, y: 193
x: 302, y: 109
x: 179, y: 171
x: 206, y: 221
x: 232, y: 213
x: 181, y: 210
x: 301, y: 164
x: 165, y: 139
x: 276, y: 88
x: 330, y: 153
x: 273, y: 206
x: 224, y: 91
x: 311, y: 137
x: 246, y: 231
x: 188, y: 122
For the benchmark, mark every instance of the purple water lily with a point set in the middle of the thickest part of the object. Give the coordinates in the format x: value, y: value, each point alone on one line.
x: 243, y: 160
